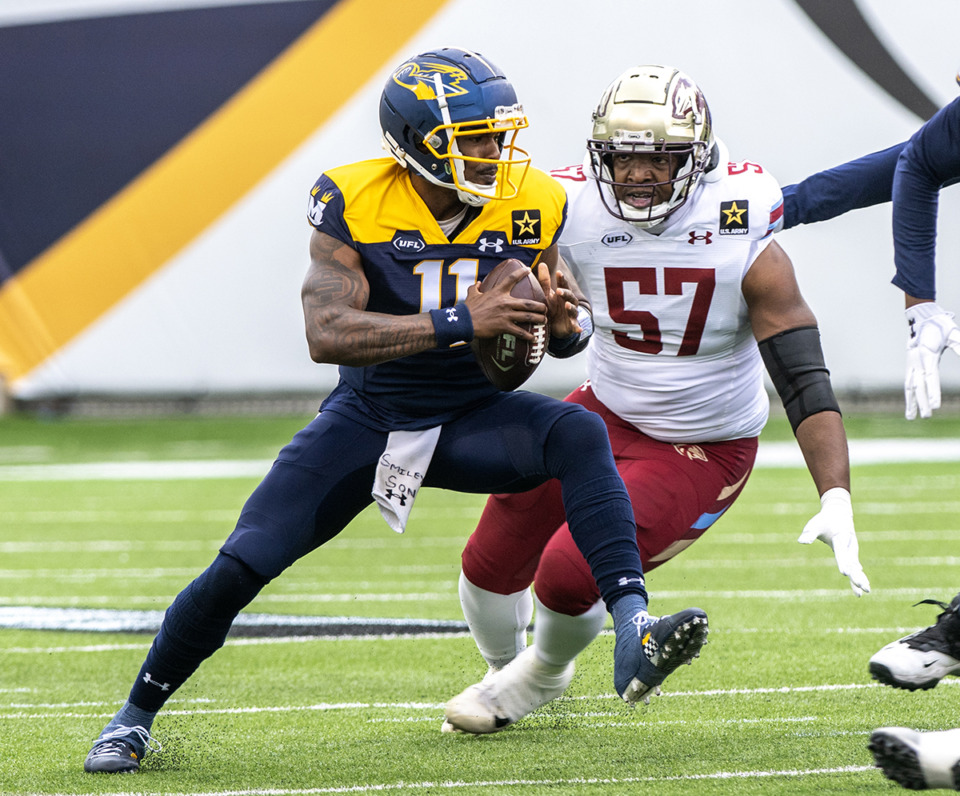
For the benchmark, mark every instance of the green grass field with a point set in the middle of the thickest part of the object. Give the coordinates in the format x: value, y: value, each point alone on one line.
x: 780, y: 701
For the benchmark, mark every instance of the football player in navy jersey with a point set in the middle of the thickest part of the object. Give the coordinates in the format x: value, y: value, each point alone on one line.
x: 910, y: 175
x: 398, y: 248
x: 930, y: 161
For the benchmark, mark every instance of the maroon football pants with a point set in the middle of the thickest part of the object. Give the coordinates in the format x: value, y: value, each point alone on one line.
x: 677, y: 490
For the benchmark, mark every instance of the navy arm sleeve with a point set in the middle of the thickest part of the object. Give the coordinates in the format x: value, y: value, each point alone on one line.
x: 930, y: 160
x: 858, y: 183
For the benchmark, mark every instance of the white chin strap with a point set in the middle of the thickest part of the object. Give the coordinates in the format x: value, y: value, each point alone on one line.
x: 486, y: 191
x: 639, y: 217
x: 473, y: 199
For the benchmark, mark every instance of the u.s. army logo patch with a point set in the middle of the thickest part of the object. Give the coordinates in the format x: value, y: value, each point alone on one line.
x: 734, y: 217
x: 526, y: 228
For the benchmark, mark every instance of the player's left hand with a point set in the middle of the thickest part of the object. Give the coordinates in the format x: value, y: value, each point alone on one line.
x: 932, y: 331
x: 834, y: 526
x: 561, y: 302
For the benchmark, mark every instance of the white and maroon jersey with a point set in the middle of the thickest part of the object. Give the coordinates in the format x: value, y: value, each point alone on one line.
x: 673, y: 352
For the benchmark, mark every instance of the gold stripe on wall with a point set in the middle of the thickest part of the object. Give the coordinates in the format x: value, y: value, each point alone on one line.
x: 129, y: 238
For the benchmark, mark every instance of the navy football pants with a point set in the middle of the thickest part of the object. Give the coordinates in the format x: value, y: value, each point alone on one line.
x: 324, y: 477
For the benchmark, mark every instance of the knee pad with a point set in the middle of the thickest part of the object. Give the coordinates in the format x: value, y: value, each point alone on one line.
x: 226, y: 587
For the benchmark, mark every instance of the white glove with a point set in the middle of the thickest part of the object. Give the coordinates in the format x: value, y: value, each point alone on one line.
x: 834, y: 525
x: 932, y: 330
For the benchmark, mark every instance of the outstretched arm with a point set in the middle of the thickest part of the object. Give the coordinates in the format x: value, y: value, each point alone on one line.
x: 790, y: 345
x: 863, y: 182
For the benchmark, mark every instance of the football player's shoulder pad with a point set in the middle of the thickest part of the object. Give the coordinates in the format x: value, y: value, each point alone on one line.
x: 753, y: 178
x: 355, y: 179
x: 749, y: 185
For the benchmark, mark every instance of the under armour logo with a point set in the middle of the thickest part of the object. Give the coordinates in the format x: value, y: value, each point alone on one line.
x: 390, y: 494
x: 913, y: 327
x: 149, y: 680
x: 694, y: 237
x: 640, y: 621
x: 496, y: 245
x: 452, y: 316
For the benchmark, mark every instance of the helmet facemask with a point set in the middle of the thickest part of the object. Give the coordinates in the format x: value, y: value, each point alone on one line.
x: 511, y: 165
x: 686, y: 163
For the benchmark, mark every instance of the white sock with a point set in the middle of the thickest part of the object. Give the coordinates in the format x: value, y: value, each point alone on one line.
x: 498, y: 622
x: 559, y: 638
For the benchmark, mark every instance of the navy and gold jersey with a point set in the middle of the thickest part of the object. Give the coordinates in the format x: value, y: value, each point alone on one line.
x: 412, y: 267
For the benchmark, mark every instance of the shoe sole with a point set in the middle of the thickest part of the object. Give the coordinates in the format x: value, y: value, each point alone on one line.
x: 111, y: 767
x: 899, y: 762
x: 883, y: 675
x: 681, y: 646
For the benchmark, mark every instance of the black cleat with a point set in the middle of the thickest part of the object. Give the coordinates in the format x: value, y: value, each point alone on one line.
x: 668, y: 642
x: 120, y: 751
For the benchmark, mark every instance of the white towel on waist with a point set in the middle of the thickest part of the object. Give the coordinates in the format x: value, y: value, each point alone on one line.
x: 400, y: 472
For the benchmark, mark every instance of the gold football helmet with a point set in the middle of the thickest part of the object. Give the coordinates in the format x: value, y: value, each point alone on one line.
x: 651, y: 109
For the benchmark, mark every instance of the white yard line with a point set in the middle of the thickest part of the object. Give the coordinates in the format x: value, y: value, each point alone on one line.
x: 771, y: 454
x: 30, y: 712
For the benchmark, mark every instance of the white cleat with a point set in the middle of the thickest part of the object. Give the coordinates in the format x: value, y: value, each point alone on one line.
x: 922, y: 659
x: 902, y: 666
x: 447, y: 727
x: 504, y: 697
x: 918, y: 760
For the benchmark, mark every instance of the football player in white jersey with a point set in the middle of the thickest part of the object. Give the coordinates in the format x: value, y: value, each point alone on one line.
x: 691, y: 297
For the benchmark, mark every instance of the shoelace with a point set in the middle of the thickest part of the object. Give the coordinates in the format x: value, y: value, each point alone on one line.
x: 111, y: 742
x: 932, y: 636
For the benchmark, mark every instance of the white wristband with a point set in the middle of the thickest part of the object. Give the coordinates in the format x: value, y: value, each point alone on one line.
x: 585, y: 319
x: 837, y: 495
x: 925, y: 311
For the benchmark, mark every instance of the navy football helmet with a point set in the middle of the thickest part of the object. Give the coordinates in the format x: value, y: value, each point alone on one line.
x: 654, y: 109
x: 435, y: 98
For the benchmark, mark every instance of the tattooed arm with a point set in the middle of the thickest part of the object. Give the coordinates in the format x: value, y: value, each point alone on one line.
x: 339, y: 329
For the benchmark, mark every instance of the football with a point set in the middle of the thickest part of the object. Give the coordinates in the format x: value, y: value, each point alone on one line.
x: 507, y: 360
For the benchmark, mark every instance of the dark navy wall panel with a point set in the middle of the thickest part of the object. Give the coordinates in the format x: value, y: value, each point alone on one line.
x: 87, y: 105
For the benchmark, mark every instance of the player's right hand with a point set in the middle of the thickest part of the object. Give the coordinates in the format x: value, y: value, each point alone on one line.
x: 932, y: 331
x: 500, y: 308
